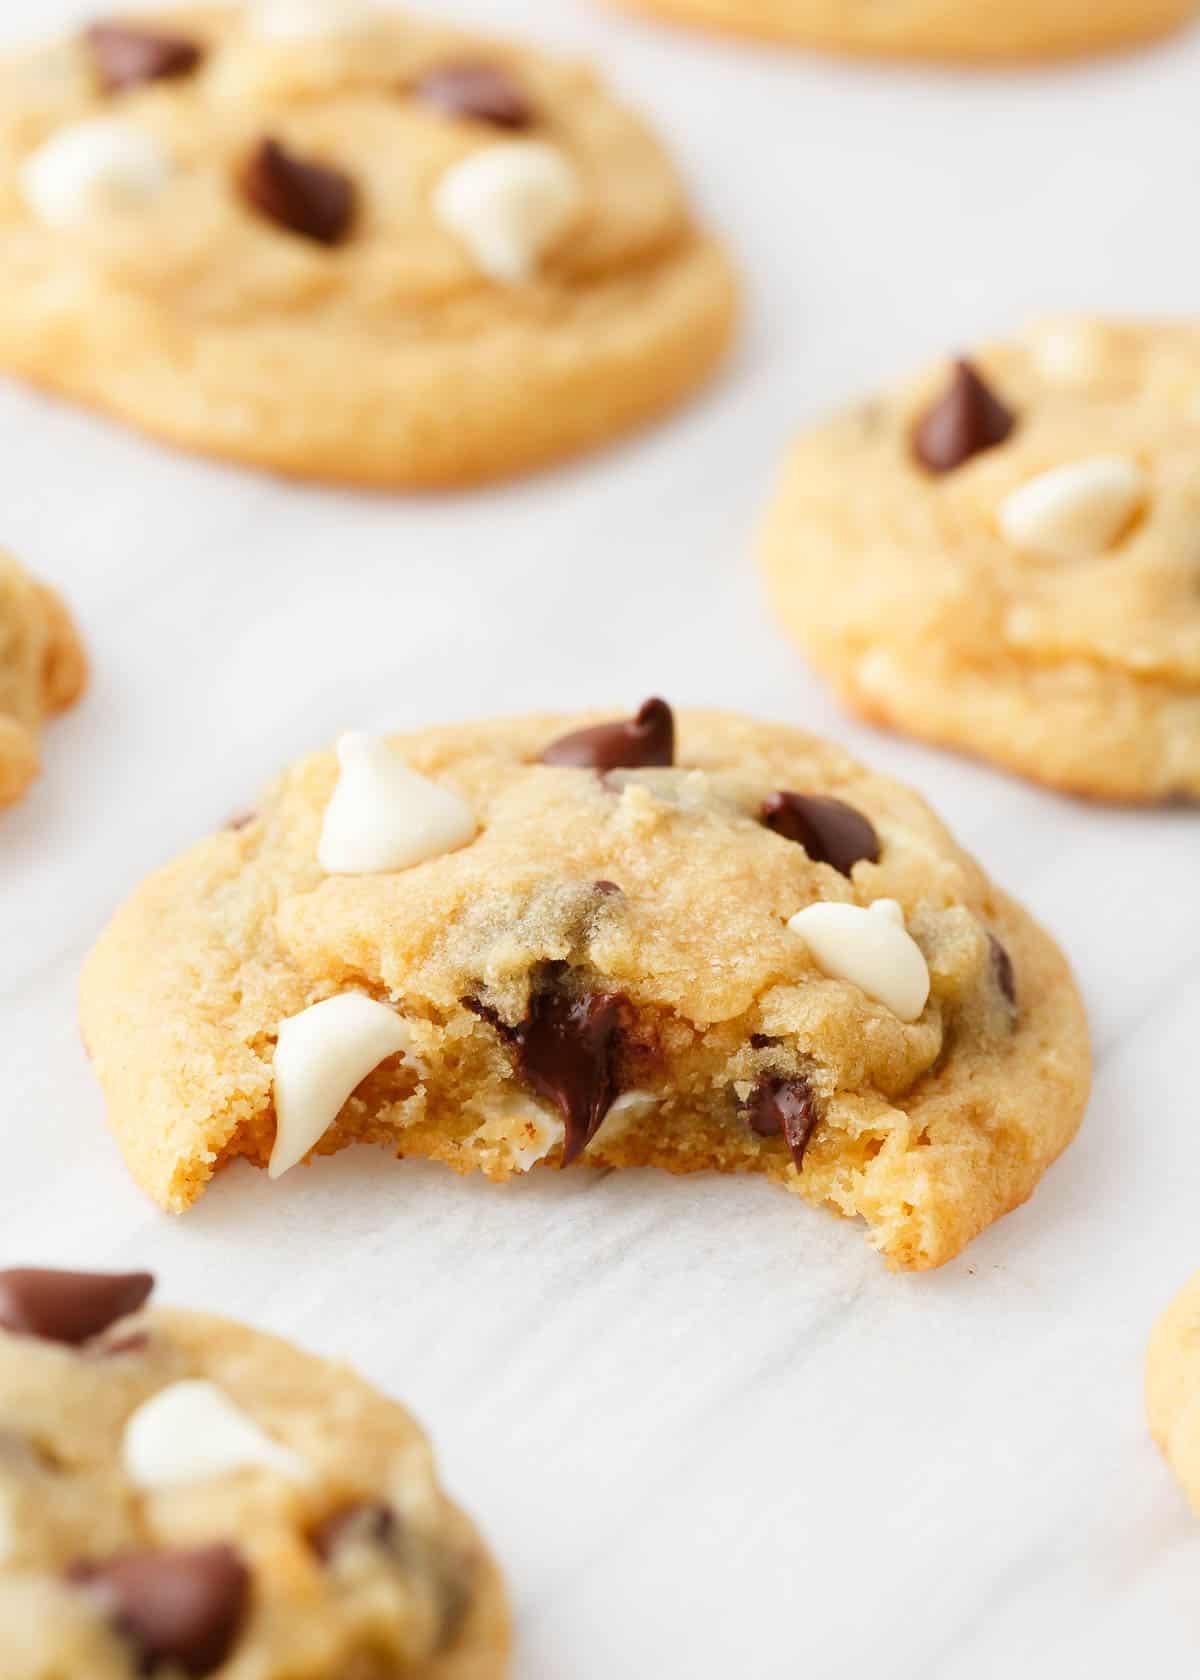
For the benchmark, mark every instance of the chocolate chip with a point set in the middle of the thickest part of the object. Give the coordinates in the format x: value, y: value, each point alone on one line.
x: 829, y: 831
x: 967, y: 419
x: 479, y: 92
x: 235, y: 825
x: 492, y: 1016
x: 305, y: 198
x: 784, y: 1107
x: 567, y: 1050
x: 635, y: 743
x: 69, y: 1307
x: 125, y: 57
x: 178, y: 1608
x: 1002, y: 970
x: 365, y: 1522
x: 607, y: 889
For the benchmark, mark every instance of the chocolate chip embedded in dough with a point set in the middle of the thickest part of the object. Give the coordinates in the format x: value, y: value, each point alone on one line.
x: 478, y: 92
x: 642, y: 742
x: 783, y: 1107
x: 830, y: 831
x: 69, y: 1307
x: 967, y: 419
x: 567, y: 1050
x: 180, y: 1610
x: 305, y: 198
x: 126, y: 57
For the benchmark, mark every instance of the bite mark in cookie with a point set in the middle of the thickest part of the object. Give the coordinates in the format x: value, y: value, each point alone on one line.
x: 735, y: 990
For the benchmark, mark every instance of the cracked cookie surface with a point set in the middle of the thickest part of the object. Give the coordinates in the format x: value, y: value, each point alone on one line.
x: 703, y: 943
x: 336, y: 241
x: 950, y: 29
x: 1003, y: 557
x: 181, y: 1495
x: 42, y: 671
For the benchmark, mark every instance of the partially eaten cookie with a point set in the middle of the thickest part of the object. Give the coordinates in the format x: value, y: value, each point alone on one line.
x: 693, y: 942
x: 42, y: 671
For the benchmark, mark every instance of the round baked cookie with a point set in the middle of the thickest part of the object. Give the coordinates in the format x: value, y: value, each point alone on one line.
x: 1173, y: 1387
x: 703, y: 943
x: 181, y: 1496
x: 1003, y: 557
x: 329, y: 239
x: 42, y: 671
x: 942, y: 29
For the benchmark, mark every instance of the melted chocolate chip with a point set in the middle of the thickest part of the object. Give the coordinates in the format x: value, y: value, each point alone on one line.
x: 636, y: 743
x: 178, y: 1608
x: 479, y: 92
x: 69, y: 1307
x: 829, y: 831
x: 1002, y: 970
x: 365, y: 1522
x: 306, y: 198
x: 125, y: 57
x: 967, y: 419
x: 783, y: 1107
x: 567, y: 1051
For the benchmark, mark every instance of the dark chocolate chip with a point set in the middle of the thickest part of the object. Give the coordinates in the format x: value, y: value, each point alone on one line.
x: 633, y: 744
x: 783, y: 1107
x: 69, y: 1307
x: 479, y: 92
x: 967, y: 419
x: 1002, y: 970
x: 365, y: 1522
x: 760, y: 1041
x: 829, y: 831
x: 125, y: 57
x: 567, y: 1050
x: 306, y: 198
x: 181, y: 1609
x: 608, y: 889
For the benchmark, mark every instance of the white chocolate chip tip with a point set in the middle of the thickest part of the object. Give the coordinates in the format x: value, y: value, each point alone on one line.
x: 871, y: 948
x: 508, y: 204
x: 300, y: 20
x: 321, y: 1056
x: 93, y: 167
x: 383, y: 816
x: 1076, y: 511
x: 192, y: 1432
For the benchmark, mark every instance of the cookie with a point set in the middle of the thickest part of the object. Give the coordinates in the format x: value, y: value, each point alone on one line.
x: 42, y: 671
x: 940, y: 29
x: 181, y: 1496
x: 1173, y: 1387
x: 700, y: 943
x: 334, y: 241
x: 1001, y: 557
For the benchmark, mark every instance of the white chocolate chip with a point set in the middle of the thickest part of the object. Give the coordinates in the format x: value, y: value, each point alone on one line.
x: 871, y: 948
x: 298, y: 20
x: 321, y: 1056
x: 92, y: 167
x: 508, y: 204
x: 384, y: 816
x: 629, y: 1106
x: 192, y: 1431
x: 519, y: 1133
x: 1075, y: 511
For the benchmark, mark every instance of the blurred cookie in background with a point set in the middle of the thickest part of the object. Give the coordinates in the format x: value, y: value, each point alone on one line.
x: 42, y: 671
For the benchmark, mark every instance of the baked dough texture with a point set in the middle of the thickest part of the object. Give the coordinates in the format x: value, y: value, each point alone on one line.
x: 362, y: 1570
x: 910, y: 593
x: 42, y: 671
x: 965, y: 30
x: 1173, y: 1387
x: 611, y: 945
x: 373, y: 353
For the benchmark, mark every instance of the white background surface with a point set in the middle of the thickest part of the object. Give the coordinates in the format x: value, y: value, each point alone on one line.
x: 706, y: 1431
